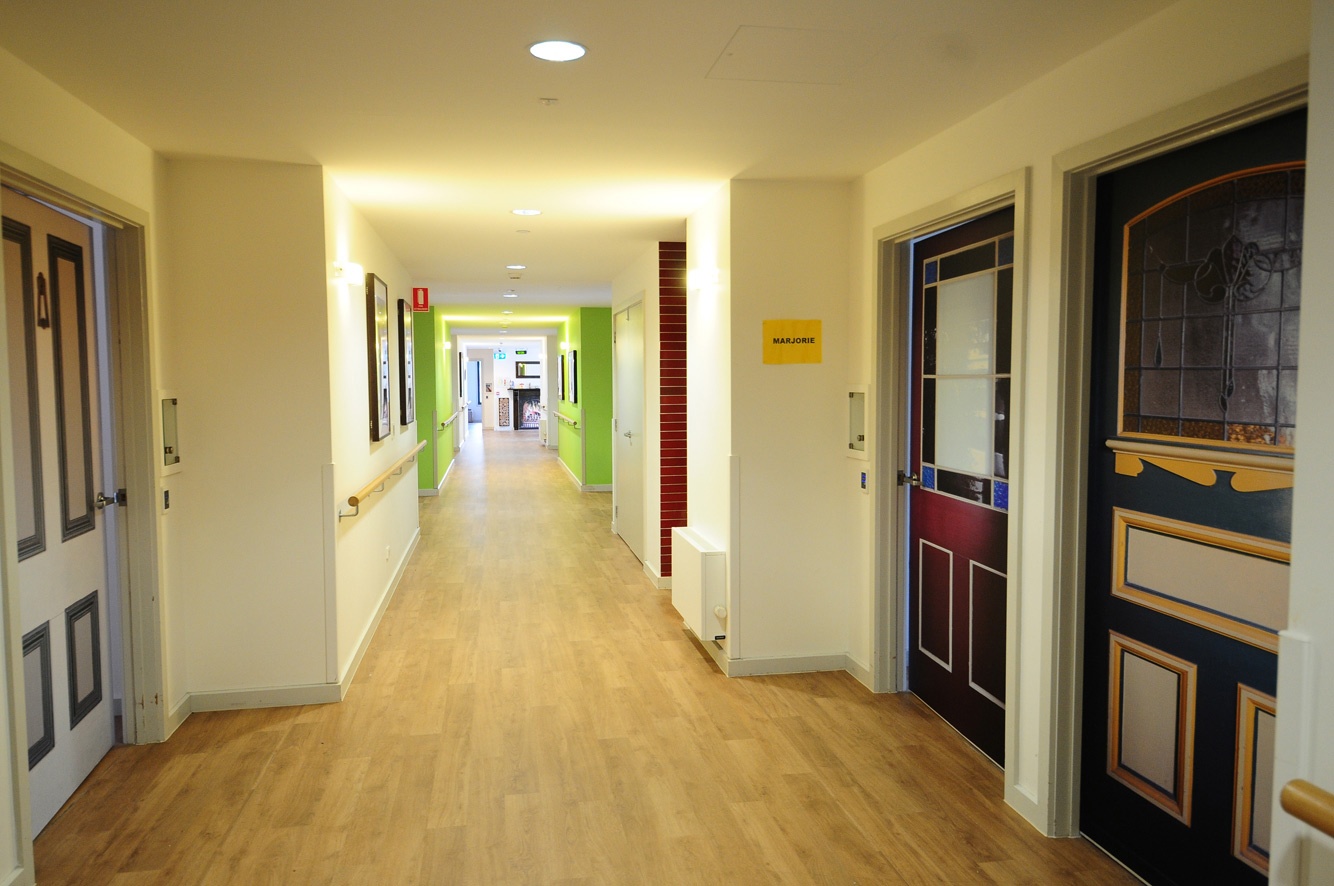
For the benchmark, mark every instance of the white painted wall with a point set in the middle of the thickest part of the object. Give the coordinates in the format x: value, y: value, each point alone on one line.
x: 243, y: 250
x: 370, y: 548
x: 709, y: 358
x: 789, y: 260
x: 1306, y: 652
x: 639, y: 283
x: 1189, y: 49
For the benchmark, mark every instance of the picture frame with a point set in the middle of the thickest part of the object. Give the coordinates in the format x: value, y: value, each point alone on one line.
x: 560, y: 379
x: 574, y: 376
x: 407, y: 389
x: 377, y: 356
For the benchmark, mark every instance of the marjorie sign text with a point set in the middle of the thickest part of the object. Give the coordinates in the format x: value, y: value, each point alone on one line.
x: 793, y: 341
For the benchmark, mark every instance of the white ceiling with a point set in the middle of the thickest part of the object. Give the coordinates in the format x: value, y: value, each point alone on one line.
x: 428, y: 115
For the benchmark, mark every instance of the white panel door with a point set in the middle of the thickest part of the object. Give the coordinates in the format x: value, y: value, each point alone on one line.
x: 629, y: 333
x: 56, y: 444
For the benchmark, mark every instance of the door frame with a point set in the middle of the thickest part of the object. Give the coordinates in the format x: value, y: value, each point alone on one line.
x: 893, y: 245
x: 135, y: 427
x: 1074, y: 181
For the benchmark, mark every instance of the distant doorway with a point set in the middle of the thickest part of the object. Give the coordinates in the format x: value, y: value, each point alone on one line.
x: 474, y: 388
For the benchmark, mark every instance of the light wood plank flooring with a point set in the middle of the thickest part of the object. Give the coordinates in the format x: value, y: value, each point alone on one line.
x: 531, y: 711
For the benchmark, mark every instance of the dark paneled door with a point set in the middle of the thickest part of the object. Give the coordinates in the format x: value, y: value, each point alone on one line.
x: 55, y: 442
x: 961, y: 323
x: 1196, y: 305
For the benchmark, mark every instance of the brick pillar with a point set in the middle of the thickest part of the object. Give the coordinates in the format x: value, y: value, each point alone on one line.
x: 672, y: 388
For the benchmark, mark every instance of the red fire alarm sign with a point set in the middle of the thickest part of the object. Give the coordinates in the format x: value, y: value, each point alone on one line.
x: 421, y: 299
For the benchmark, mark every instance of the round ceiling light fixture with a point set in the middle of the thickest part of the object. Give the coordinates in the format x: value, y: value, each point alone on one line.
x: 557, y: 51
x: 515, y: 267
x: 511, y: 295
x: 526, y: 211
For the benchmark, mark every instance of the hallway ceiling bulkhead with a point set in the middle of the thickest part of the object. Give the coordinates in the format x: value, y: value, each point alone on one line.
x: 437, y: 122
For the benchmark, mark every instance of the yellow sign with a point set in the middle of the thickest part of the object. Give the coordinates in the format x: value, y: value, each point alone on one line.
x: 793, y: 341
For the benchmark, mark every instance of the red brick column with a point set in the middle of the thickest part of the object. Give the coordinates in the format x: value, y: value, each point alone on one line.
x: 672, y: 388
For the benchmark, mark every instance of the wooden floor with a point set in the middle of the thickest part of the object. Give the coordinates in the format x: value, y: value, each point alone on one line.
x: 531, y: 711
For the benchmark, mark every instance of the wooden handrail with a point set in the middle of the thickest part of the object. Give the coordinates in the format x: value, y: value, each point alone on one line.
x: 365, y: 492
x: 569, y: 421
x: 450, y: 421
x: 1310, y: 804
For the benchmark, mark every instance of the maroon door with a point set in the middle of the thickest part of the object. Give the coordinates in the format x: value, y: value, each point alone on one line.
x: 962, y: 298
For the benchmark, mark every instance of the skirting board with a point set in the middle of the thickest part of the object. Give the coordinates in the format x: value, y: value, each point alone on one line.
x: 422, y: 493
x: 764, y: 667
x: 286, y: 696
x: 662, y: 584
x: 584, y: 487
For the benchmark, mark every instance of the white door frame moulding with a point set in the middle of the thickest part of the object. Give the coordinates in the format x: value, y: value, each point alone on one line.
x: 135, y: 441
x: 892, y: 245
x: 1074, y: 175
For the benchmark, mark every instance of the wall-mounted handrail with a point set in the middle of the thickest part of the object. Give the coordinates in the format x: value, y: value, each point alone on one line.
x: 365, y: 492
x: 449, y: 421
x: 1308, y: 803
x: 569, y: 421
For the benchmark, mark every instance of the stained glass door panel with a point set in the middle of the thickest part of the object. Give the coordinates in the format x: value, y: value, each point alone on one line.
x: 1197, y: 298
x: 962, y: 301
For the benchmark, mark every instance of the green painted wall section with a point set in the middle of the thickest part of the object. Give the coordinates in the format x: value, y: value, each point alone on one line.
x: 432, y: 371
x: 569, y: 440
x: 587, y: 451
x: 595, y: 393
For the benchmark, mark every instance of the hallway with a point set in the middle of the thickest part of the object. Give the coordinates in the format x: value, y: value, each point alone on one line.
x: 531, y: 711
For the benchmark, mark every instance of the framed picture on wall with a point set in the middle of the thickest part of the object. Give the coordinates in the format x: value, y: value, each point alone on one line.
x: 574, y: 376
x: 560, y: 379
x: 407, y: 391
x: 377, y: 354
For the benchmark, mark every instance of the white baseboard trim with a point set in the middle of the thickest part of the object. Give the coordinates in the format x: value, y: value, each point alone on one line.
x: 270, y: 697
x: 595, y: 487
x: 578, y: 484
x: 422, y: 493
x: 287, y: 696
x: 662, y: 584
x: 19, y: 875
x: 369, y: 633
x: 860, y: 672
x: 176, y: 716
x: 794, y: 664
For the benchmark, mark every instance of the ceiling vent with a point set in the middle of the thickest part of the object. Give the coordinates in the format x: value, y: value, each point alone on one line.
x: 515, y: 275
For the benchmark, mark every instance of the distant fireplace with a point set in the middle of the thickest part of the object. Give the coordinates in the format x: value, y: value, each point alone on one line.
x: 527, y: 412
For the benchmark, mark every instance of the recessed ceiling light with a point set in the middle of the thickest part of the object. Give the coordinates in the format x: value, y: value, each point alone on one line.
x: 507, y: 312
x: 511, y: 295
x: 557, y: 51
x: 526, y: 211
x: 515, y: 267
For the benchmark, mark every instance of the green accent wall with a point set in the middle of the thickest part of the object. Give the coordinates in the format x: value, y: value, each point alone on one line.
x: 588, y: 455
x: 433, y: 370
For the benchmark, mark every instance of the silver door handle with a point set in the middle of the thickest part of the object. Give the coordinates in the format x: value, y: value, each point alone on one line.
x: 116, y: 498
x: 629, y: 434
x: 907, y: 478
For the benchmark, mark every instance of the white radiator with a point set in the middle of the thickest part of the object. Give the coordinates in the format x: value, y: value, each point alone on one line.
x: 699, y: 584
